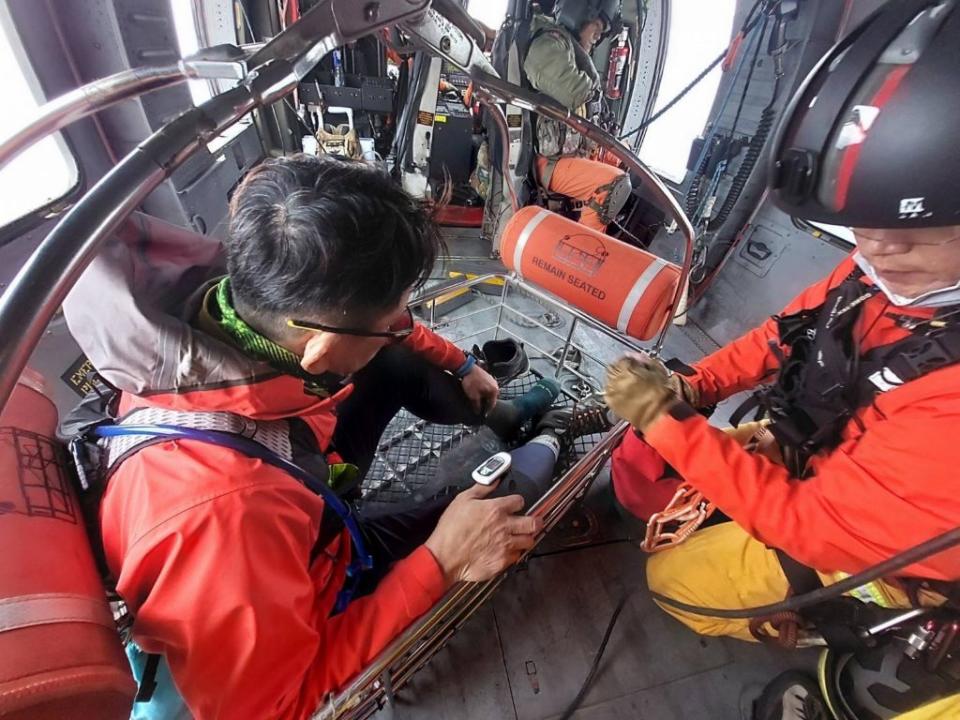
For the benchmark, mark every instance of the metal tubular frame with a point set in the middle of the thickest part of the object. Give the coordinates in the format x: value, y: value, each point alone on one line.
x: 87, y: 100
x: 536, y: 102
x: 100, y: 94
x: 272, y: 72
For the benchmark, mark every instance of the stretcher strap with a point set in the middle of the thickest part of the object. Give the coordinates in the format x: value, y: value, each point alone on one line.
x: 48, y: 608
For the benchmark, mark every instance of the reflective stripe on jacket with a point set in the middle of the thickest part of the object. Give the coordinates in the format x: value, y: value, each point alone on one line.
x: 891, y: 483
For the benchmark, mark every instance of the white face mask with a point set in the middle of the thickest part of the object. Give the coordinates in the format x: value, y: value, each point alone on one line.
x: 932, y: 299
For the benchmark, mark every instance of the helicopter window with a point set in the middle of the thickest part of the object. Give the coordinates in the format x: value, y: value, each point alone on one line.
x: 46, y: 171
x: 698, y: 32
x: 205, y: 25
x: 489, y: 12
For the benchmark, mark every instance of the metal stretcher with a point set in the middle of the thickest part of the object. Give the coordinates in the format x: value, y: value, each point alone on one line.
x: 562, y: 343
x: 266, y: 74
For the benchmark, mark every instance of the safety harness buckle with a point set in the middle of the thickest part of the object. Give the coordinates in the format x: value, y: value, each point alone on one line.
x: 682, y: 517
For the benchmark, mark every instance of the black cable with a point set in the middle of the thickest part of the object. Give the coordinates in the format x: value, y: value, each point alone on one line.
x: 656, y: 116
x: 746, y: 84
x: 592, y: 674
x: 944, y: 541
x: 747, y: 26
x: 937, y: 544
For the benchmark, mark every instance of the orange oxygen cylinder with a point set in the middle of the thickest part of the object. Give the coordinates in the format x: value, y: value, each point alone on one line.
x: 60, y: 653
x: 622, y: 286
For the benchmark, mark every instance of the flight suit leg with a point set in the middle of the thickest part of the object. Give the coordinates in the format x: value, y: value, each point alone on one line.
x: 724, y: 567
x: 601, y: 188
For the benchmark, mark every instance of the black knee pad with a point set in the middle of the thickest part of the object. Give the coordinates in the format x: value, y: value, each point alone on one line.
x: 618, y: 192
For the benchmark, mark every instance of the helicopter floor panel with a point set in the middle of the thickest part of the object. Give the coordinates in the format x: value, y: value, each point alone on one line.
x: 527, y: 653
x: 524, y: 656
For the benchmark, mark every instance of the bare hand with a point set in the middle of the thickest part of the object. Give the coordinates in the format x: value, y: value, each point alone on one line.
x: 481, y: 388
x: 478, y: 537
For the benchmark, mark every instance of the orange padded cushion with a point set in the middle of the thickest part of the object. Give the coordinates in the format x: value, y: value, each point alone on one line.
x: 622, y: 286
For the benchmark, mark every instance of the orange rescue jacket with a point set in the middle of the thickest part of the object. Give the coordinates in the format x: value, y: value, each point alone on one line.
x: 214, y: 554
x: 890, y: 484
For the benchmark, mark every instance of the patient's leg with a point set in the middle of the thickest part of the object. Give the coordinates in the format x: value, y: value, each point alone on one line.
x: 396, y: 378
x: 400, y: 378
x: 391, y: 535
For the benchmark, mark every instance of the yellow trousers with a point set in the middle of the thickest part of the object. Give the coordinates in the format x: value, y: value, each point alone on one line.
x: 724, y: 567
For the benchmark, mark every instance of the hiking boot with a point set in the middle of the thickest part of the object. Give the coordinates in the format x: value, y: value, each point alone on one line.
x: 506, y: 359
x: 792, y: 695
x: 569, y: 424
x: 507, y: 417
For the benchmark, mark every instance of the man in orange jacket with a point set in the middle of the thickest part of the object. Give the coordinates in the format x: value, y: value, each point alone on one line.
x: 865, y: 398
x: 231, y: 568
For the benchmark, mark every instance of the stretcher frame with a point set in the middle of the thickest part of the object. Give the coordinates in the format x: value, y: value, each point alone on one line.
x: 376, y: 685
x: 266, y: 74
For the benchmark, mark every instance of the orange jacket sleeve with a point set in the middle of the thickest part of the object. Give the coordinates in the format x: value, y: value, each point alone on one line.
x: 867, y: 500
x: 749, y: 360
x: 242, y: 613
x: 439, y: 351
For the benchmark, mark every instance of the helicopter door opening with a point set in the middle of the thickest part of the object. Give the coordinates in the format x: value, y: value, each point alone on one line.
x: 47, y: 171
x: 698, y: 31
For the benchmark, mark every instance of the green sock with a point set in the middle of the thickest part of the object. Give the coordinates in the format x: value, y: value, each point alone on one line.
x: 537, y: 399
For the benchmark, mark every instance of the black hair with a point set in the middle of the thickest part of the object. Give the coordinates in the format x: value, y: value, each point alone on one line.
x: 324, y: 238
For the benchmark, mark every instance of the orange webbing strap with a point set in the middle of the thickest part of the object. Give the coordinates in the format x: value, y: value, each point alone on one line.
x: 682, y: 517
x: 688, y: 509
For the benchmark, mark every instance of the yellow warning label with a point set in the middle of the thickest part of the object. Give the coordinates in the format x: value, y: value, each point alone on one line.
x: 424, y: 118
x: 441, y: 118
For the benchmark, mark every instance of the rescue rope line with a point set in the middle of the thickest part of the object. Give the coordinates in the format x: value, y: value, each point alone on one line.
x: 937, y: 544
x: 592, y: 674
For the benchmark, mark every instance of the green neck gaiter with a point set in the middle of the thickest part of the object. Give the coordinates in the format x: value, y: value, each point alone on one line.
x: 255, y: 345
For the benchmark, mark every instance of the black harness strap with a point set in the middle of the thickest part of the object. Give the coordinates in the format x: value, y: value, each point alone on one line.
x: 802, y: 579
x: 148, y: 682
x: 822, y: 382
x: 823, y: 379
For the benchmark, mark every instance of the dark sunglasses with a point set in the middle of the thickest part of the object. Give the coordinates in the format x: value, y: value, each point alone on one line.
x: 398, y: 330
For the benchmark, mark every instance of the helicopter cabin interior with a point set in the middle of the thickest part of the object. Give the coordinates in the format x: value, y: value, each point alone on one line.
x: 691, y: 89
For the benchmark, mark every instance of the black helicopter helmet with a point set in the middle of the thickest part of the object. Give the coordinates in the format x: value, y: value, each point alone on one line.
x: 573, y: 14
x: 871, y: 138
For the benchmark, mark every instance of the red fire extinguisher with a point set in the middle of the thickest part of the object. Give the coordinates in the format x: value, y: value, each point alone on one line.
x: 617, y: 66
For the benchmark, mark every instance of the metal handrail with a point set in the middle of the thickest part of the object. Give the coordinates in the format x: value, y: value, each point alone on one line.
x: 43, y: 282
x: 87, y: 100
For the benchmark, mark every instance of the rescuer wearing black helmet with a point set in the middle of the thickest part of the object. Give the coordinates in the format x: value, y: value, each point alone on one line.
x: 865, y: 406
x: 558, y: 63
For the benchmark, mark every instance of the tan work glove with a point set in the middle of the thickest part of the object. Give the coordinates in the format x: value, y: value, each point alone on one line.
x: 638, y: 390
